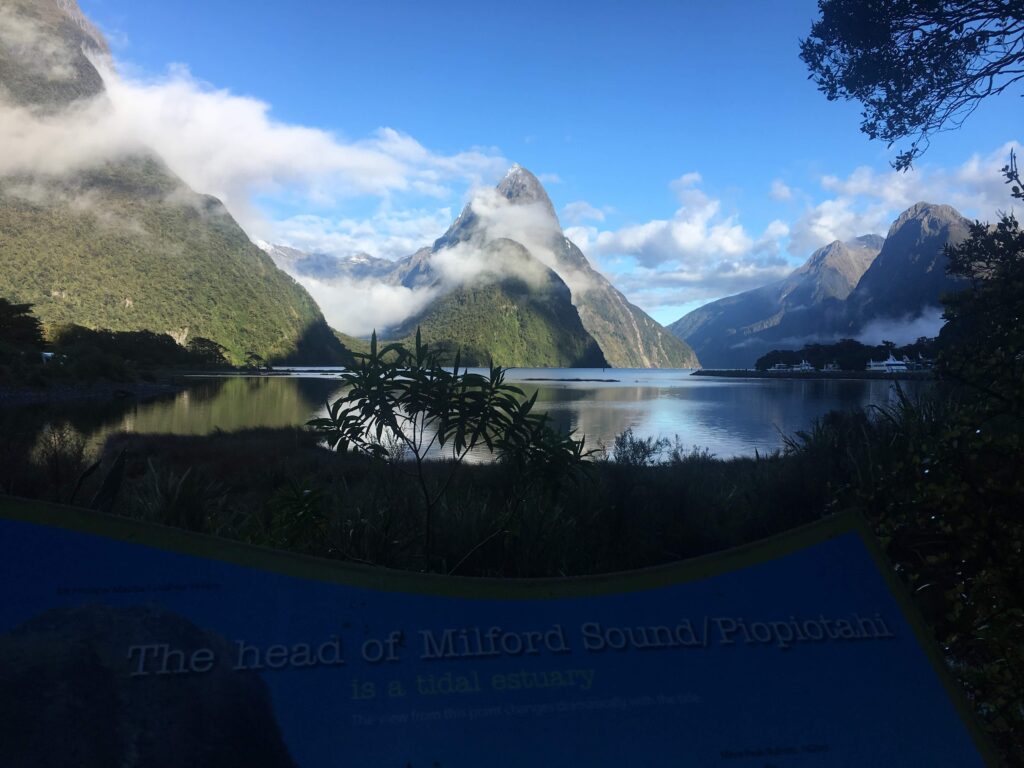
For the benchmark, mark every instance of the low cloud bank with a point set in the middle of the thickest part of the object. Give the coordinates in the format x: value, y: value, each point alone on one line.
x: 219, y: 143
x: 359, y: 307
x: 903, y: 330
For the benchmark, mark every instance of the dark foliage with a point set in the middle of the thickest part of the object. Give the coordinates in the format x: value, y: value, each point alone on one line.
x: 983, y: 340
x: 84, y: 355
x: 848, y: 354
x: 917, y: 66
x: 19, y: 328
x: 207, y: 352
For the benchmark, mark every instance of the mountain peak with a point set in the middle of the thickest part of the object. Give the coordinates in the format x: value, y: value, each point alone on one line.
x: 70, y: 9
x: 45, y: 49
x: 523, y: 188
x: 931, y: 215
x: 518, y: 187
x: 839, y: 254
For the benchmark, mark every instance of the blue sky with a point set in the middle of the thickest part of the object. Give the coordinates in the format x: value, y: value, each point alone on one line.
x: 682, y: 144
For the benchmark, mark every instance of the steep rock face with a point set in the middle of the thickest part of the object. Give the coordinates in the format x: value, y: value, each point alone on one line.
x: 733, y: 332
x: 413, y: 271
x: 119, y: 241
x: 522, y: 210
x: 832, y: 272
x: 44, y: 54
x: 67, y: 697
x: 909, y: 274
x: 523, y: 317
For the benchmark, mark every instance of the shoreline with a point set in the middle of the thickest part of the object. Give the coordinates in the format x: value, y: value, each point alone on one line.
x: 72, y: 392
x: 819, y: 375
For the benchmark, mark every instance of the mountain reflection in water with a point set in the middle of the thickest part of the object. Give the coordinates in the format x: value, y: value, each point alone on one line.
x: 730, y: 417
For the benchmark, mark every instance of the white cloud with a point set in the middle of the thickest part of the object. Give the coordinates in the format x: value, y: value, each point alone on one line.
x: 52, y: 143
x: 579, y: 211
x: 549, y: 178
x: 868, y: 201
x: 656, y: 289
x: 358, y: 307
x: 699, y: 253
x: 780, y: 191
x: 696, y: 232
x: 231, y: 146
x: 387, y: 234
x: 903, y: 330
x: 465, y: 263
x: 528, y: 224
x: 775, y: 231
x: 687, y: 181
x: 34, y: 47
x: 836, y: 219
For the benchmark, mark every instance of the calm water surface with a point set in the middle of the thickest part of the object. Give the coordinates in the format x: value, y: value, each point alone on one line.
x: 730, y: 417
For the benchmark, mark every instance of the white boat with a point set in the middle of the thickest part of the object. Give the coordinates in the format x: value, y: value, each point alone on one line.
x: 889, y: 365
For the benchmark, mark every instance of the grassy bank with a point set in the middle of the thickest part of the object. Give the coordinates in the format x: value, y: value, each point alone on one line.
x: 280, y: 488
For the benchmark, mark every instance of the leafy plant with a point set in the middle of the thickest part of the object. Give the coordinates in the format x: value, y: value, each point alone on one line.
x: 186, y: 500
x: 60, y: 451
x: 404, y: 407
x: 298, y: 520
x: 634, y: 451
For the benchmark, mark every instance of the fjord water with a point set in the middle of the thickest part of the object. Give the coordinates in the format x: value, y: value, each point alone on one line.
x: 729, y: 417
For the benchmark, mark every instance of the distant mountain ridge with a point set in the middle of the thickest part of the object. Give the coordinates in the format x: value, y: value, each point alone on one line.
x: 121, y: 242
x: 325, y: 267
x: 734, y: 331
x: 837, y: 293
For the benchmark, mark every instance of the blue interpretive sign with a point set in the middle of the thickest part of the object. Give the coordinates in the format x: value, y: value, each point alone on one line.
x: 123, y: 643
